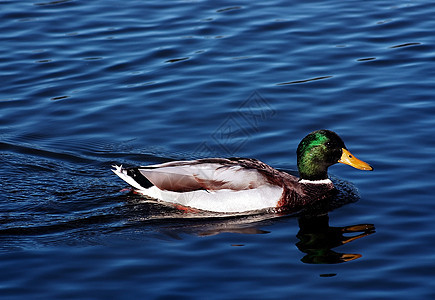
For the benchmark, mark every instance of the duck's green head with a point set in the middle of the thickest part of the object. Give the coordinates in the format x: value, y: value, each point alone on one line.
x: 321, y: 149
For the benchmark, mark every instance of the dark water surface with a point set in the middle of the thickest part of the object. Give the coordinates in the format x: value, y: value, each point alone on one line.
x: 88, y: 84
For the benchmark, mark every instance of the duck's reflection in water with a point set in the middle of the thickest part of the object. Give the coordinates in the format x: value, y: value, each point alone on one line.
x: 317, y: 239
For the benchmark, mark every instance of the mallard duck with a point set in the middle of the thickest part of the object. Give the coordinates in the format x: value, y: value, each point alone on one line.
x: 237, y: 185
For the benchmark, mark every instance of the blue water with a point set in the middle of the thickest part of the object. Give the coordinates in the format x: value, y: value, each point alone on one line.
x: 88, y: 84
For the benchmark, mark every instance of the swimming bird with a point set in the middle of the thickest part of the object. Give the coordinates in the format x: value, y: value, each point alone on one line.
x: 238, y: 185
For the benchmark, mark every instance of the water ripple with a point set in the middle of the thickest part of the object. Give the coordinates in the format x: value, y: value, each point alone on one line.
x: 305, y: 80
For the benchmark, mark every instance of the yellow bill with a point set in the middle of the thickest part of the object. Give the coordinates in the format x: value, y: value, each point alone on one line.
x: 348, y: 159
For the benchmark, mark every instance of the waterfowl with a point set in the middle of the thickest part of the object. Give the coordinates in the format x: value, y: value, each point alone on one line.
x: 237, y: 185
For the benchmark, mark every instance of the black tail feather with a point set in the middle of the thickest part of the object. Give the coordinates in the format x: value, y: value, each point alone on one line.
x: 139, y: 178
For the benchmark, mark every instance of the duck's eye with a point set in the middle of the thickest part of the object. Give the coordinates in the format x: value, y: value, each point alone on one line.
x: 328, y: 144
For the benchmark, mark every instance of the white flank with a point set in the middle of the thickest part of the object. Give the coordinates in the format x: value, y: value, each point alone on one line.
x: 221, y: 200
